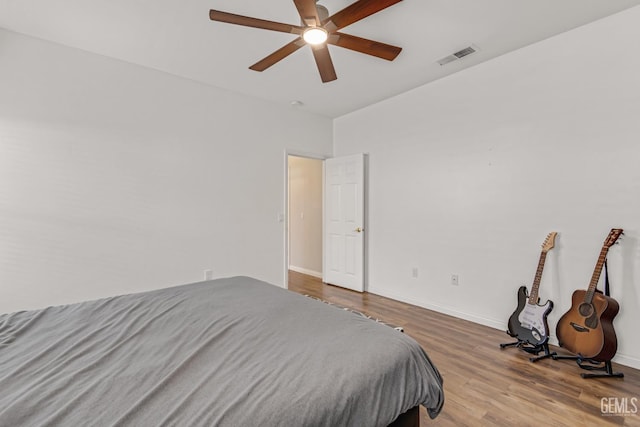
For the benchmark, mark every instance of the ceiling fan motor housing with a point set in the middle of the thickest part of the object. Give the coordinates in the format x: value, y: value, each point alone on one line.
x: 323, y: 13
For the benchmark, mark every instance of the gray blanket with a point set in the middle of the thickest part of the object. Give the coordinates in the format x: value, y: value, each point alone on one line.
x: 229, y: 352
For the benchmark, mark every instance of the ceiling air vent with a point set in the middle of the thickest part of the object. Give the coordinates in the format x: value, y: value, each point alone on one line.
x: 457, y: 55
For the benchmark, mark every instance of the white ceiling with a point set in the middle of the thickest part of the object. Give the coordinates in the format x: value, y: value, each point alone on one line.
x: 177, y: 37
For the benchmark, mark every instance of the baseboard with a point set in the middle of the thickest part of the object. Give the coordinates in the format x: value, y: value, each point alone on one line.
x: 306, y: 271
x: 492, y: 323
x: 621, y: 359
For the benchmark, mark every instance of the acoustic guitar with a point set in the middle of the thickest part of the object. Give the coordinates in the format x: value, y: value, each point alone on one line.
x: 587, y: 328
x: 529, y: 321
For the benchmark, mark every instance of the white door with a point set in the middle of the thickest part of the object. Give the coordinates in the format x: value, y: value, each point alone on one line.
x: 343, y: 242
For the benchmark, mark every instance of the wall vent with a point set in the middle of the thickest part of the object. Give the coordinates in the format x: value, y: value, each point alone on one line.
x: 457, y: 55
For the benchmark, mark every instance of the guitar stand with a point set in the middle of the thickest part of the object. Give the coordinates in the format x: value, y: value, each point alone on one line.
x: 531, y: 349
x: 546, y: 354
x: 593, y: 366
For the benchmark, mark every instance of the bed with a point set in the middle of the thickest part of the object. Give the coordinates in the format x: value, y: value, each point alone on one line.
x: 228, y: 352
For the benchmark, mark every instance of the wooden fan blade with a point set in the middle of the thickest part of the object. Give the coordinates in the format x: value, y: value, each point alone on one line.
x: 369, y: 47
x: 355, y: 12
x: 308, y: 12
x: 231, y: 18
x: 323, y: 60
x: 278, y: 55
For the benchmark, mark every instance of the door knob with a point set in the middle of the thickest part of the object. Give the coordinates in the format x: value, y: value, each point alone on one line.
x: 359, y: 230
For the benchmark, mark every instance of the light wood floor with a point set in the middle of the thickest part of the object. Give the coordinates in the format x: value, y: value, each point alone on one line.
x: 485, y: 385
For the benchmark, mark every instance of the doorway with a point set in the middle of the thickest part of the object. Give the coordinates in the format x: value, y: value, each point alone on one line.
x: 304, y: 215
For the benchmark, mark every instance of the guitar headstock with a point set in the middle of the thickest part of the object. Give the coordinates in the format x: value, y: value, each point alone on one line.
x: 612, y: 237
x: 549, y: 242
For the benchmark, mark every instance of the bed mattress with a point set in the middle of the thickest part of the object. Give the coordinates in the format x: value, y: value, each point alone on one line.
x: 228, y: 352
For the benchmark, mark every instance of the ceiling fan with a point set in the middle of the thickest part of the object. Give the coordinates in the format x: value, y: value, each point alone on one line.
x: 317, y: 29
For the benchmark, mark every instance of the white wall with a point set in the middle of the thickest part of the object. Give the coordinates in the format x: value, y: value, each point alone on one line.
x: 116, y: 178
x: 468, y: 174
x: 305, y: 215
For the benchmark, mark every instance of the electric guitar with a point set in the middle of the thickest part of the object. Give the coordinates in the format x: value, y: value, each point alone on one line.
x: 587, y: 328
x: 529, y: 322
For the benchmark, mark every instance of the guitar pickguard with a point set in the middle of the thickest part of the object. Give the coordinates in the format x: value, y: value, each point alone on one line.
x: 532, y: 318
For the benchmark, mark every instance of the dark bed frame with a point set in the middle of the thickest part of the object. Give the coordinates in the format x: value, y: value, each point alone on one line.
x: 411, y: 418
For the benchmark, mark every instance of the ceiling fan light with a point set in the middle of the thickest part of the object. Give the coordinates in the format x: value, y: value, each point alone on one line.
x: 315, y: 35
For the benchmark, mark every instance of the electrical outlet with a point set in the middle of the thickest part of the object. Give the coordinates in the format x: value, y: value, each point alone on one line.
x: 208, y: 275
x: 454, y: 280
x: 414, y: 272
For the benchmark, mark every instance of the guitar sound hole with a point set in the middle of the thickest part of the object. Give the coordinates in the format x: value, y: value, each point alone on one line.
x: 585, y: 309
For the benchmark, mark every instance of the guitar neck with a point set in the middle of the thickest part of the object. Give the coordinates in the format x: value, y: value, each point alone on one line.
x: 588, y: 298
x: 533, y: 296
